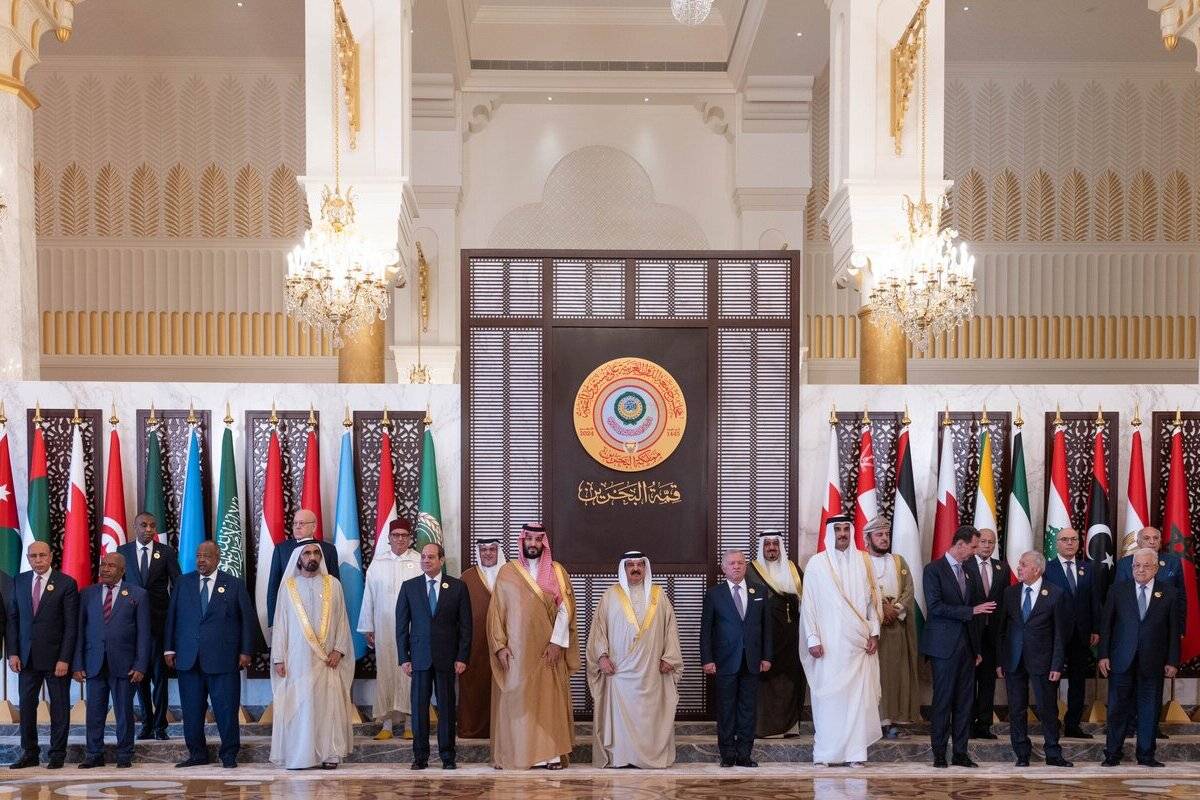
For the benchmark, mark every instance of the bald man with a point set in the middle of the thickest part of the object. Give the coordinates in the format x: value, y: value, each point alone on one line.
x: 304, y: 526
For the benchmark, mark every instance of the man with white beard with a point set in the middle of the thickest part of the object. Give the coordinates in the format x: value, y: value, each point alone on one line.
x: 839, y: 635
x: 475, y: 685
x: 781, y: 688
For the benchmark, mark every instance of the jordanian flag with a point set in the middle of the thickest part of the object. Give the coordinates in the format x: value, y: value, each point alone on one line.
x: 429, y: 516
x: 10, y: 527
x: 37, y: 509
x: 230, y: 540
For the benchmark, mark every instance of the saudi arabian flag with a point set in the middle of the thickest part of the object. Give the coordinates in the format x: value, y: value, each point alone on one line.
x: 155, y: 503
x: 229, y: 537
x: 429, y: 516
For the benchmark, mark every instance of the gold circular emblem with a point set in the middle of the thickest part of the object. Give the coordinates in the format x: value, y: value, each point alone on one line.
x: 221, y: 589
x: 1081, y: 570
x: 750, y: 590
x: 1162, y: 563
x: 1158, y: 594
x: 1045, y: 592
x: 445, y: 586
x: 124, y: 593
x: 630, y: 414
x: 157, y: 554
x: 49, y: 587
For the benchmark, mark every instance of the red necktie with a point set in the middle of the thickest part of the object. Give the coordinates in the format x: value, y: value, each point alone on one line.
x: 108, y: 593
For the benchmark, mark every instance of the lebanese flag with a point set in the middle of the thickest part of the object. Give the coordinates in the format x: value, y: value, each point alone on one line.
x: 270, y: 528
x: 1099, y: 532
x: 310, y: 496
x: 1057, y: 516
x: 945, y: 523
x: 866, y: 507
x: 1178, y: 528
x: 77, y: 547
x: 385, y: 499
x: 112, y: 529
x: 833, y: 488
x: 1137, y: 514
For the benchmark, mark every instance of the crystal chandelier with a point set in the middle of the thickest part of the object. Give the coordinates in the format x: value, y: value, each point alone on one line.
x: 926, y: 285
x: 338, y: 281
x: 691, y: 12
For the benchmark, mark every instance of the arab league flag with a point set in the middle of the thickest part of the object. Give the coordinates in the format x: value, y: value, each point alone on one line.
x: 230, y: 539
x: 37, y: 507
x: 1057, y: 516
x: 10, y: 526
x: 191, y: 513
x: 1019, y: 530
x: 346, y: 541
x: 906, y: 534
x: 429, y: 517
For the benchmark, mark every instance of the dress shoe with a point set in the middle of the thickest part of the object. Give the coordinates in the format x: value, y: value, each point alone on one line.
x: 192, y: 762
x: 144, y: 734
x: 983, y: 735
x: 747, y: 762
x: 55, y: 763
x: 963, y: 761
x: 893, y: 732
x: 1150, y: 762
x: 162, y: 736
x: 449, y: 765
x: 90, y: 762
x: 1109, y: 761
x: 727, y: 762
x: 124, y: 764
x: 229, y: 764
x: 1058, y: 762
x: 940, y: 762
x: 329, y: 765
x: 418, y: 765
x: 1022, y: 762
x: 1076, y: 733
x: 24, y: 762
x: 1158, y: 734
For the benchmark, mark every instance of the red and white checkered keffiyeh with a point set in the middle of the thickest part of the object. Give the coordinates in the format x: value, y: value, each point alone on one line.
x: 547, y: 581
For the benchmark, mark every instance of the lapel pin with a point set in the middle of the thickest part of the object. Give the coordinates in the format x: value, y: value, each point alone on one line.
x: 1158, y: 594
x: 903, y: 571
x: 1081, y: 570
x: 1045, y: 592
x: 124, y: 593
x: 157, y: 554
x: 49, y: 587
x: 750, y: 590
x: 1162, y: 563
x: 996, y: 567
x: 221, y: 589
x: 445, y: 585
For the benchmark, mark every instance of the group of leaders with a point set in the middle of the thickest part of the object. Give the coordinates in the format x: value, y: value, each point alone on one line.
x: 494, y: 650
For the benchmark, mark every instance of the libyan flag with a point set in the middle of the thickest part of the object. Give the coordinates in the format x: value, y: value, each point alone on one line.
x: 429, y: 515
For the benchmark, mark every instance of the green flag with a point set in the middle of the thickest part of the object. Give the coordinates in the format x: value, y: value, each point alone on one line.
x: 228, y: 535
x: 37, y: 509
x: 10, y: 526
x: 155, y: 503
x: 429, y: 515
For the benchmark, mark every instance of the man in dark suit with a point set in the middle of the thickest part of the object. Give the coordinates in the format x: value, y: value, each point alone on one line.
x: 1083, y: 582
x: 1030, y: 649
x: 433, y: 642
x: 304, y: 525
x: 209, y: 633
x: 995, y: 576
x: 1139, y: 646
x: 43, y: 618
x: 112, y: 654
x: 951, y: 642
x: 735, y: 646
x: 155, y: 568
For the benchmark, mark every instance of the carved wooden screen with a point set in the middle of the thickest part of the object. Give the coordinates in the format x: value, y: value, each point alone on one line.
x: 173, y: 440
x: 1081, y: 442
x: 408, y: 438
x: 57, y: 430
x: 744, y: 303
x: 885, y: 442
x: 966, y: 428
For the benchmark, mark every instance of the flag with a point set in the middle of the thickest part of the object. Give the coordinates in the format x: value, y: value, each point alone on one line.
x: 37, y: 506
x: 112, y: 529
x: 385, y: 498
x: 833, y: 488
x: 77, y: 545
x: 270, y: 528
x: 906, y: 533
x: 228, y: 535
x: 155, y: 503
x: 1099, y: 531
x: 1178, y: 529
x: 866, y: 506
x: 310, y: 495
x: 10, y: 525
x: 1136, y: 508
x: 985, y: 489
x: 429, y: 516
x: 1018, y: 532
x: 346, y: 540
x: 191, y: 511
x: 1057, y: 516
x: 945, y: 523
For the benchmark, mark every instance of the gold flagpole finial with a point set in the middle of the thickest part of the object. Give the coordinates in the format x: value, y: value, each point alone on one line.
x: 312, y: 415
x: 151, y: 421
x: 906, y: 419
x: 228, y: 414
x: 1137, y: 415
x: 428, y: 416
x: 946, y: 416
x: 274, y: 418
x: 386, y: 421
x: 1058, y: 420
x: 833, y: 415
x: 3, y: 418
x: 1178, y: 416
x: 983, y: 420
x: 192, y: 419
x: 866, y: 418
x: 1100, y: 414
x: 346, y: 421
x: 113, y: 420
x: 37, y: 413
x: 75, y: 418
x: 1019, y: 421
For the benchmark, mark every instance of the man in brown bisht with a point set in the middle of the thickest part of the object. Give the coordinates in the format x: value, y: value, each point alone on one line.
x: 780, y: 689
x: 475, y: 685
x: 534, y: 649
x: 900, y: 689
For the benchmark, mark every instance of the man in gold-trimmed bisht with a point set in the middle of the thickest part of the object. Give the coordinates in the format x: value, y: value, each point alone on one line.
x: 781, y: 688
x: 633, y: 668
x: 310, y: 673
x: 534, y: 647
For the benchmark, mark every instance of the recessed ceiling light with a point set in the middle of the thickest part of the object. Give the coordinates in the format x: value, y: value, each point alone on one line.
x: 549, y: 98
x: 799, y: 33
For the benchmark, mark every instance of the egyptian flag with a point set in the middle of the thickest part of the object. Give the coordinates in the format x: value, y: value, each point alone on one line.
x: 1178, y: 529
x: 1099, y: 532
x: 833, y: 488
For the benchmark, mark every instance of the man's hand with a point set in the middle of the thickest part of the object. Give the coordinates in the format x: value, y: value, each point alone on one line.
x: 890, y: 614
x: 710, y: 668
x: 607, y: 666
x: 978, y: 660
x: 816, y: 651
x: 79, y: 675
x: 407, y: 667
x: 61, y: 669
x: 170, y: 659
x: 1170, y: 671
x: 243, y: 661
x: 552, y: 654
x: 334, y: 659
x: 1093, y: 640
x: 460, y: 667
x: 1105, y: 665
x: 135, y: 676
x: 665, y: 668
x: 764, y: 666
x: 1055, y: 676
x: 985, y: 608
x: 14, y: 663
x: 281, y: 670
x: 371, y: 640
x: 872, y: 645
x: 1000, y: 672
x: 504, y: 656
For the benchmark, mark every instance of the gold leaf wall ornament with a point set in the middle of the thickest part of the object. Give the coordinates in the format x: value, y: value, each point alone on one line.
x: 179, y: 203
x: 970, y: 212
x: 1073, y: 208
x: 110, y: 203
x: 1110, y: 208
x: 1006, y: 207
x: 1143, y: 208
x: 1177, y: 208
x: 143, y: 203
x: 214, y: 203
x: 285, y: 203
x: 247, y: 203
x: 73, y: 202
x: 1039, y: 208
x: 43, y: 201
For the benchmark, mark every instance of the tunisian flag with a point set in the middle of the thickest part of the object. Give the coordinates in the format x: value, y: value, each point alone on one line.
x: 1136, y: 508
x: 1178, y: 528
x: 77, y: 547
x: 310, y: 496
x: 385, y: 498
x: 866, y: 508
x: 270, y: 528
x: 945, y: 523
x: 112, y: 529
x: 1099, y: 532
x: 833, y: 488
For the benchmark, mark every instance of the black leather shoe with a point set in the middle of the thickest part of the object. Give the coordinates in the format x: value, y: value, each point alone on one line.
x: 1158, y: 734
x: 1076, y: 733
x: 963, y: 761
x: 727, y: 762
x: 1151, y: 763
x: 25, y: 762
x: 940, y: 762
x: 418, y: 765
x: 1109, y: 761
x: 88, y: 763
x: 1022, y: 762
x: 145, y: 734
x: 162, y: 736
x: 449, y: 765
x: 124, y: 764
x: 747, y: 762
x: 983, y: 734
x: 55, y: 763
x: 1058, y: 762
x: 329, y: 765
x: 192, y: 762
x: 229, y: 764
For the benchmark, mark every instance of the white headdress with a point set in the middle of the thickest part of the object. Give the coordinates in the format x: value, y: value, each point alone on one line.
x: 489, y: 573
x: 646, y: 584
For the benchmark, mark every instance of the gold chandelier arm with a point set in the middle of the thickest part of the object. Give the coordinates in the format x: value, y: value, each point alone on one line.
x: 904, y: 68
x: 346, y: 68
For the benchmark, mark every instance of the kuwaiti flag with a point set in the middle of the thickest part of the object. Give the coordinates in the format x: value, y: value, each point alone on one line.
x: 310, y: 495
x: 1019, y: 529
x: 77, y: 545
x: 192, y: 530
x: 385, y: 505
x: 112, y: 529
x: 945, y: 523
x: 866, y: 507
x: 10, y: 525
x: 906, y: 533
x: 37, y: 505
x: 346, y: 541
x: 1136, y: 508
x: 270, y: 529
x: 985, y: 489
x: 1099, y: 532
x: 1177, y: 526
x: 1057, y: 516
x: 833, y: 488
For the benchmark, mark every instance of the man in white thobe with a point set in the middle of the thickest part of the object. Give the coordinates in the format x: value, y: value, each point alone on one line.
x: 310, y: 675
x: 839, y: 634
x: 633, y: 670
x: 377, y: 619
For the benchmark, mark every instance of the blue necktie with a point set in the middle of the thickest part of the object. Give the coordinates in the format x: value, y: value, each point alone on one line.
x: 204, y: 596
x: 1027, y: 606
x: 1071, y: 575
x: 432, y: 596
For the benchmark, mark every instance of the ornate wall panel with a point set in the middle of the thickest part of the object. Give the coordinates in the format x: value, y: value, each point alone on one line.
x: 57, y: 430
x: 407, y: 429
x: 1160, y: 467
x: 173, y: 440
x: 1080, y: 437
x: 885, y: 441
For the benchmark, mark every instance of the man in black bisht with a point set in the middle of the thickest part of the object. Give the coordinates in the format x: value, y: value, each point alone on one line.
x: 780, y: 689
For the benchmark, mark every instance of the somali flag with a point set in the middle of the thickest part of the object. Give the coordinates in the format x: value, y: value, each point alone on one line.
x: 346, y: 540
x: 192, y: 529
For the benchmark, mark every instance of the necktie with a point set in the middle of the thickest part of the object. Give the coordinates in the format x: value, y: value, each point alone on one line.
x: 432, y: 596
x: 737, y: 600
x: 1070, y: 569
x: 961, y: 578
x: 204, y: 596
x: 1027, y: 605
x: 108, y: 601
x: 985, y: 571
x: 144, y: 567
x: 1143, y: 601
x: 37, y: 592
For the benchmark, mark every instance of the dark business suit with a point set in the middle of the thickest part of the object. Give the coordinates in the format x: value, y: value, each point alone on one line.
x: 999, y: 579
x: 279, y: 562
x: 207, y: 646
x: 433, y: 640
x: 1170, y: 571
x: 736, y: 646
x: 1138, y: 650
x: 1029, y: 650
x: 951, y: 641
x: 1085, y: 602
x: 41, y: 640
x: 106, y: 652
x: 162, y: 572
